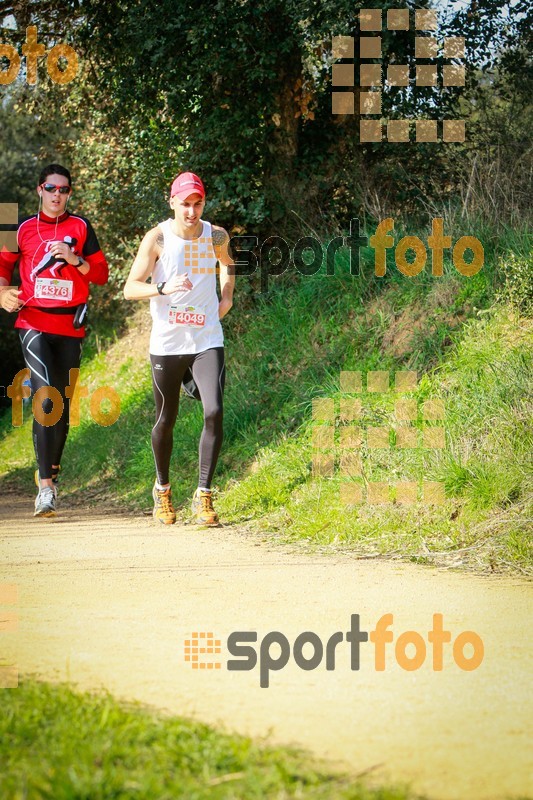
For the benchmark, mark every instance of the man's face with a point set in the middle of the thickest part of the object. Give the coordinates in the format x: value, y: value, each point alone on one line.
x: 188, y: 211
x: 54, y: 203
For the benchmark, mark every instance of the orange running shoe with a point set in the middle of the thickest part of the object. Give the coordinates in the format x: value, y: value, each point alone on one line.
x: 202, y: 509
x: 163, y: 509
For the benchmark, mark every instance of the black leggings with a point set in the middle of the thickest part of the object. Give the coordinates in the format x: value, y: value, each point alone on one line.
x: 49, y: 357
x: 209, y: 372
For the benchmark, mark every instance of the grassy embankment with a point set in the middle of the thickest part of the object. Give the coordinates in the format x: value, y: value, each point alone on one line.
x: 56, y: 744
x: 469, y: 349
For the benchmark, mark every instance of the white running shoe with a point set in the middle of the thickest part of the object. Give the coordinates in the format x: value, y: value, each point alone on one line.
x: 45, y: 502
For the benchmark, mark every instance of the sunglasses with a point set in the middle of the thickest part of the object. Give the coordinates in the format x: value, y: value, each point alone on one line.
x: 51, y: 187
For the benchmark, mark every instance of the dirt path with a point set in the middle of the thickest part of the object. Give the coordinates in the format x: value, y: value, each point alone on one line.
x: 109, y: 600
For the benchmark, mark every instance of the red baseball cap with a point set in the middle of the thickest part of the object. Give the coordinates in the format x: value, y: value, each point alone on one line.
x: 185, y: 184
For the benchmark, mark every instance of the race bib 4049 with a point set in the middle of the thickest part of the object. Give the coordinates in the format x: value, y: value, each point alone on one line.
x: 187, y: 316
x: 53, y: 289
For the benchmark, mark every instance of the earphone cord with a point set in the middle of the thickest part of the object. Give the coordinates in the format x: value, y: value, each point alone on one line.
x: 44, y: 241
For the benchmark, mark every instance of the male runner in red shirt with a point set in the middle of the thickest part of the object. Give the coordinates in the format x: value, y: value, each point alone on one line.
x: 58, y: 256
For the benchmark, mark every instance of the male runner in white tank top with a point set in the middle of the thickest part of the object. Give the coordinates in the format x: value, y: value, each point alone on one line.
x: 181, y: 255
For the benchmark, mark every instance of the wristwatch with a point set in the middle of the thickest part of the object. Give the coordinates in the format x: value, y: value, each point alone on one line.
x: 80, y: 262
x: 161, y: 286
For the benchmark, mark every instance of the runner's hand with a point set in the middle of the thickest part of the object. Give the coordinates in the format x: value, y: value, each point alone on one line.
x: 10, y: 298
x: 178, y: 283
x: 62, y: 250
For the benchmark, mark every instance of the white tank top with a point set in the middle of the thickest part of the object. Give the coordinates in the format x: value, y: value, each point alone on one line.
x: 186, y: 322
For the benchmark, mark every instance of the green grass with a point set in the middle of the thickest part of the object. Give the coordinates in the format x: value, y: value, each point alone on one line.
x: 59, y: 744
x: 288, y: 348
x: 486, y: 385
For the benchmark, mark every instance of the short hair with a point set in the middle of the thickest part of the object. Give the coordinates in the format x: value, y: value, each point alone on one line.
x: 54, y: 169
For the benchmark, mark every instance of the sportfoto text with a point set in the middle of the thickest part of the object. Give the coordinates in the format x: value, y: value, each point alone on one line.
x: 50, y: 397
x: 33, y: 50
x: 409, y: 650
x: 307, y: 256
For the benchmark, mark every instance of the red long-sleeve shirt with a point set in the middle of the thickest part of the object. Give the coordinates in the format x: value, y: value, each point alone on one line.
x: 47, y: 282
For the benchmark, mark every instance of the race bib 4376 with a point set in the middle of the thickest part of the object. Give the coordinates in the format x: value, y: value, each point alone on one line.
x: 53, y: 289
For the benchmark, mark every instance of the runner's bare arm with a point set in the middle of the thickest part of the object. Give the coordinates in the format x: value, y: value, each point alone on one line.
x: 149, y: 251
x: 227, y: 269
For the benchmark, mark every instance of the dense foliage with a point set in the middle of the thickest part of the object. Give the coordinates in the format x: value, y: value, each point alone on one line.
x: 240, y: 92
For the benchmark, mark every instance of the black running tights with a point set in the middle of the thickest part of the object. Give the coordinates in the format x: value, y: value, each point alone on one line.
x: 49, y: 357
x: 208, y: 371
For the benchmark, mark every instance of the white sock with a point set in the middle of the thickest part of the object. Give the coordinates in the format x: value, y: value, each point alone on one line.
x: 201, y: 489
x: 162, y: 488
